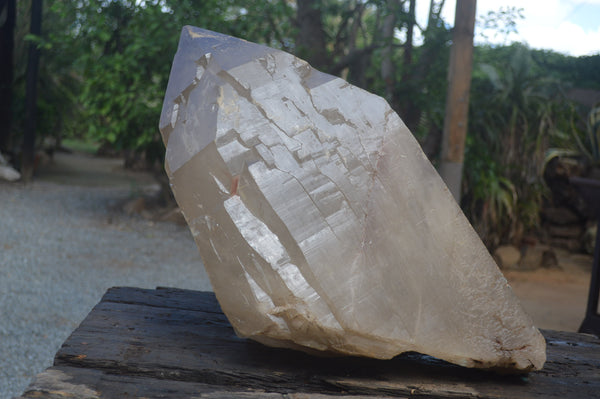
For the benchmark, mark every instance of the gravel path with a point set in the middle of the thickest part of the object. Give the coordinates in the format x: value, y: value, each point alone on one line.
x: 61, y: 248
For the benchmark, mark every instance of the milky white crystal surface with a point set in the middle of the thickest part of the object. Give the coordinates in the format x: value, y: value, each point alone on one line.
x: 321, y: 223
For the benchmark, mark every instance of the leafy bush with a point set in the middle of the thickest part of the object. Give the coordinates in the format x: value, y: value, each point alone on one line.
x: 515, y: 114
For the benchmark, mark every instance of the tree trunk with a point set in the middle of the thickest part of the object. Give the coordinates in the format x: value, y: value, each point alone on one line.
x: 310, y: 43
x: 410, y: 28
x: 435, y: 12
x: 416, y: 73
x: 406, y: 107
x: 7, y: 34
x: 31, y: 93
x: 387, y: 63
x: 457, y: 100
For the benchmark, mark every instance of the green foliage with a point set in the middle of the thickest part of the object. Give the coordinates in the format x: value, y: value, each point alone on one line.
x: 587, y: 138
x: 85, y: 146
x: 594, y: 134
x: 492, y: 198
x: 427, y: 82
x: 58, y: 82
x: 500, y: 23
x: 125, y: 61
x: 579, y: 140
x: 515, y: 115
x: 105, y: 66
x: 574, y: 71
x: 120, y: 93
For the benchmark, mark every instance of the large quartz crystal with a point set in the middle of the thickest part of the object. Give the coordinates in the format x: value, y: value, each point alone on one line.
x: 321, y: 223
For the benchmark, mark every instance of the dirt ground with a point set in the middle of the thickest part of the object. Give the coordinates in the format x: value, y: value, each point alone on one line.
x: 78, y: 169
x: 555, y: 298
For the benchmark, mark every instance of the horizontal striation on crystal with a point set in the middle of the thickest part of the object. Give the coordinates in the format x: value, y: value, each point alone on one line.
x: 321, y: 223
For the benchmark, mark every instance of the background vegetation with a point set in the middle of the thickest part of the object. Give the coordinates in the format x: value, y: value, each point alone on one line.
x: 105, y: 66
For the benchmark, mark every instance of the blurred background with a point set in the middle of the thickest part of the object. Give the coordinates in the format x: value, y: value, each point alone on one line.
x: 104, y: 66
x: 82, y: 84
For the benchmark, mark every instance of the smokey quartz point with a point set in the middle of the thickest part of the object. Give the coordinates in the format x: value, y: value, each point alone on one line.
x: 321, y: 223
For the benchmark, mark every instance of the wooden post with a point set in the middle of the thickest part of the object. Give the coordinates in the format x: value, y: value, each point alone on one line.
x: 31, y: 93
x: 7, y: 29
x: 457, y: 100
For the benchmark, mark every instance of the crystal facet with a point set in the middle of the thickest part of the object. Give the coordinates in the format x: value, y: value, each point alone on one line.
x: 321, y: 223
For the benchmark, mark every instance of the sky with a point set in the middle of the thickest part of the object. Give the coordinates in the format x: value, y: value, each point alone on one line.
x: 567, y: 26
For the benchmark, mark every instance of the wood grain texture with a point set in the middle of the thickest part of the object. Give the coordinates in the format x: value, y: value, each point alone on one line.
x: 178, y: 344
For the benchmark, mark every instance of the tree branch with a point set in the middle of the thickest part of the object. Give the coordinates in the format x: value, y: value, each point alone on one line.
x: 351, y: 57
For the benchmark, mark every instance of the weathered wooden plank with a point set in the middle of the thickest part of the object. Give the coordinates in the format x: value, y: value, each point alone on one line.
x: 71, y: 382
x: 179, y: 339
x: 164, y: 297
x: 91, y: 383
